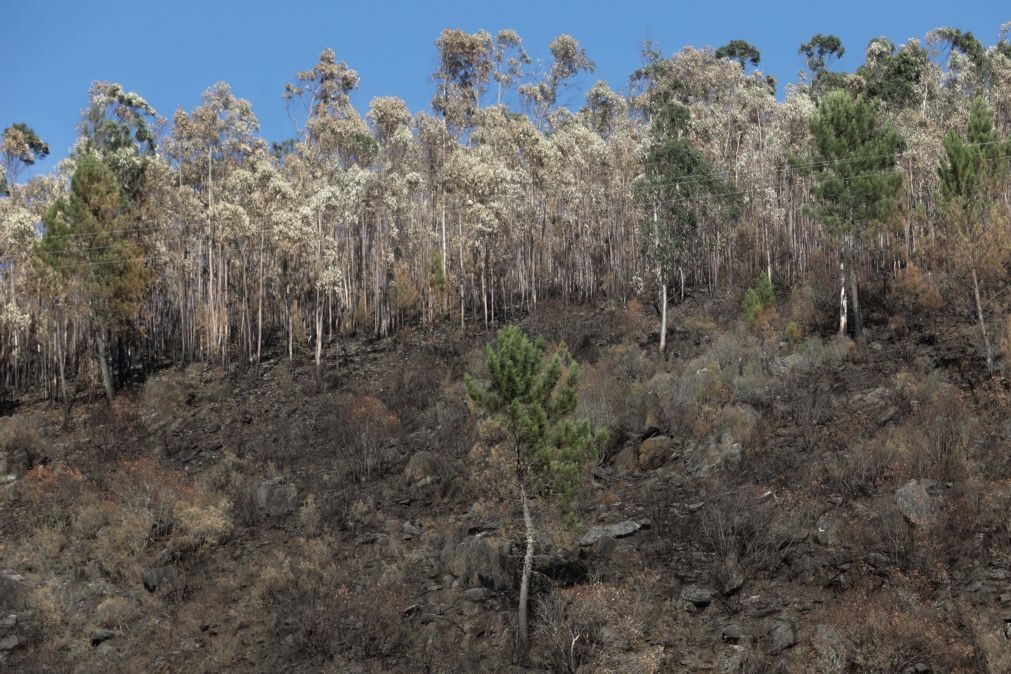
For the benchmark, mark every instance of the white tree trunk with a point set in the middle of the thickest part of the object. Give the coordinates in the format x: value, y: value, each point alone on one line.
x: 528, y: 564
x: 663, y: 314
x: 842, y: 297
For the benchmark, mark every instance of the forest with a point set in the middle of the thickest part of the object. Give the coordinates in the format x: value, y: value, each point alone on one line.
x: 706, y: 374
x: 194, y: 239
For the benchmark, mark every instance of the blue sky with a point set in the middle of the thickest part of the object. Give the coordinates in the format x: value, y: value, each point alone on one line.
x: 169, y: 52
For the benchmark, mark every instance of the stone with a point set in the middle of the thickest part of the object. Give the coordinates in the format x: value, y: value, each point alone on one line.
x: 9, y: 643
x: 731, y: 575
x: 410, y: 528
x: 477, y: 594
x: 781, y: 636
x: 655, y: 451
x: 652, y: 414
x: 158, y: 576
x: 626, y: 461
x: 724, y: 453
x: 826, y: 530
x: 479, y: 561
x: 275, y: 496
x: 4, y: 463
x: 619, y: 530
x: 916, y: 505
x: 421, y: 466
x: 699, y: 595
x: 733, y: 632
x: 9, y: 622
x: 101, y: 635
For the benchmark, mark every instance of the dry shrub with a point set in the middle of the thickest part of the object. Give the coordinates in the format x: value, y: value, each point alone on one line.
x: 604, y: 399
x: 585, y: 627
x: 858, y: 469
x: 915, y: 292
x: 800, y: 308
x: 51, y: 492
x: 317, y: 616
x: 887, y: 631
x: 938, y: 435
x: 1004, y: 344
x: 21, y: 444
x: 758, y: 532
x: 363, y: 431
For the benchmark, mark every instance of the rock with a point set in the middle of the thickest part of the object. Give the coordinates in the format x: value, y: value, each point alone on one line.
x: 8, y: 574
x: 619, y: 530
x: 101, y: 635
x: 479, y: 561
x: 654, y: 451
x: 652, y: 414
x: 626, y: 461
x: 410, y: 528
x: 725, y: 453
x: 477, y: 594
x: 916, y: 505
x: 826, y: 530
x: 421, y: 466
x: 783, y: 635
x: 699, y: 595
x: 156, y: 577
x: 4, y: 463
x: 9, y: 622
x: 731, y: 575
x: 275, y: 496
x: 9, y: 643
x: 733, y: 633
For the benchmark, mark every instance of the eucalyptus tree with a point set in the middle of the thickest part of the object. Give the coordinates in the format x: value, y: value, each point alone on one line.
x: 466, y: 62
x: 568, y: 59
x: 20, y: 147
x: 510, y: 58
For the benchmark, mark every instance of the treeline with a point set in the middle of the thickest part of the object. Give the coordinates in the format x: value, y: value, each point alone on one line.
x: 196, y: 239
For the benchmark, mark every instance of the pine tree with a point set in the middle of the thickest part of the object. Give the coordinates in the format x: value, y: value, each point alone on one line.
x: 532, y: 396
x: 856, y: 185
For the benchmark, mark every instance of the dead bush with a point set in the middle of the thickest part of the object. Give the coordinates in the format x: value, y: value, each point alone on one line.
x: 604, y: 400
x: 753, y: 530
x: 363, y: 430
x: 914, y: 293
x: 21, y: 445
x: 886, y: 631
x: 858, y: 469
x: 316, y: 616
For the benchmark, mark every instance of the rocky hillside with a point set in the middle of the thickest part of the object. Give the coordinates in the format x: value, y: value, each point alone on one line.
x: 767, y: 500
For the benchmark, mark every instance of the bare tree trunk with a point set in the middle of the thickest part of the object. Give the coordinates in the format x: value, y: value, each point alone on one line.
x: 982, y: 322
x: 60, y: 340
x: 858, y: 324
x: 528, y: 563
x: 104, y: 364
x: 842, y: 296
x: 663, y: 314
x: 319, y: 341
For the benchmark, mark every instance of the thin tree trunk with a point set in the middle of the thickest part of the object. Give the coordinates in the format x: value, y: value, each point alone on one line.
x: 663, y: 314
x: 842, y: 296
x: 982, y: 322
x: 528, y: 563
x: 104, y: 364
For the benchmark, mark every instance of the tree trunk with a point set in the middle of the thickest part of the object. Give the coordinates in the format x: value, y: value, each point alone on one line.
x: 663, y: 314
x: 982, y: 323
x: 858, y: 323
x: 104, y: 364
x: 528, y: 563
x: 842, y: 296
x: 60, y: 338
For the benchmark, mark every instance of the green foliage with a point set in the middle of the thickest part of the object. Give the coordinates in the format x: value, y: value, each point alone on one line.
x: 894, y: 78
x: 679, y: 184
x: 856, y: 184
x: 742, y: 52
x: 757, y: 299
x: 818, y: 50
x: 973, y: 168
x: 436, y: 278
x: 84, y: 243
x: 532, y: 394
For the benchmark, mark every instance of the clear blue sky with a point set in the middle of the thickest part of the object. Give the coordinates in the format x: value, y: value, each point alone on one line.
x: 170, y: 51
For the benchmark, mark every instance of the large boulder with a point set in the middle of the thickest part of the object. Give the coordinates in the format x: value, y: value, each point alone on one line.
x: 423, y: 467
x: 619, y: 530
x: 479, y: 561
x: 652, y: 414
x: 916, y: 504
x: 275, y: 496
x: 655, y: 451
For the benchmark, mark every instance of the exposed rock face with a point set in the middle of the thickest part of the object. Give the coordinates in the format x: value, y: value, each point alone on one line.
x: 654, y: 452
x: 626, y: 461
x: 916, y: 504
x: 783, y: 635
x: 699, y: 595
x: 479, y: 561
x: 155, y: 578
x: 275, y: 496
x: 422, y: 467
x: 595, y: 534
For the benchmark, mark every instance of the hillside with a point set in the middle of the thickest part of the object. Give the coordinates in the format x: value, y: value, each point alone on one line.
x: 795, y: 504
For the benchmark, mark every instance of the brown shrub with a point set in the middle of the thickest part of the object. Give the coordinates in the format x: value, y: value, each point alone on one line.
x: 915, y: 293
x: 21, y: 445
x: 362, y: 430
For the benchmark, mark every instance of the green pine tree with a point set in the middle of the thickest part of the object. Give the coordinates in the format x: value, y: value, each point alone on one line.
x: 532, y: 396
x: 856, y: 185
